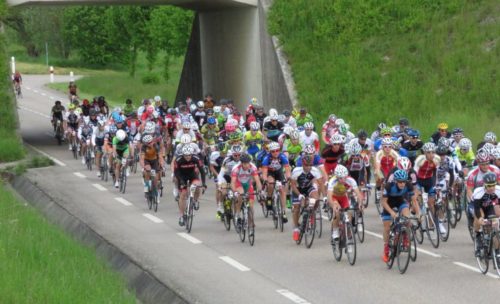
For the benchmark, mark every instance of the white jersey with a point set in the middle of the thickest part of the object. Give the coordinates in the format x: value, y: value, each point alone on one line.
x: 290, y: 123
x: 308, y: 140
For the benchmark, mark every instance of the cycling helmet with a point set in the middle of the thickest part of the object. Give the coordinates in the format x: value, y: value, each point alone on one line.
x: 273, y: 146
x: 381, y: 126
x: 339, y: 121
x: 113, y: 129
x: 149, y: 127
x: 173, y: 111
x: 429, y: 147
x: 396, y: 145
x: 362, y: 134
x: 344, y: 128
x: 119, y: 119
x: 442, y: 126
x: 274, y: 117
x: 58, y: 102
x: 404, y: 121
x: 287, y: 113
x: 78, y: 111
x: 443, y: 141
x: 187, y: 150
x: 234, y: 136
x: 185, y: 139
x: 254, y: 126
x: 386, y: 142
x: 490, y: 137
x: 92, y: 112
x: 146, y: 139
x: 332, y: 118
x: 413, y: 133
x: 442, y: 150
x: 194, y: 126
x: 118, y: 110
x: 186, y: 125
x: 496, y: 153
x: 236, y: 149
x: 150, y: 109
x: 294, y: 134
x: 457, y: 131
x: 309, y: 125
x: 489, y: 148
x: 465, y: 144
x: 404, y: 163
x: 71, y: 106
x: 341, y: 171
x: 347, y: 147
x: 192, y: 107
x: 157, y: 98
x: 121, y: 135
x: 356, y: 149
x: 211, y: 120
x: 386, y: 131
x: 217, y: 109
x: 482, y: 157
x: 254, y: 101
x: 245, y: 158
x: 210, y: 112
x: 101, y: 123
x: 287, y: 130
x: 273, y: 112
x: 309, y: 149
x: 400, y: 175
x: 230, y: 127
x: 490, y: 179
x: 221, y: 146
x: 200, y: 104
x: 115, y: 115
x: 336, y: 139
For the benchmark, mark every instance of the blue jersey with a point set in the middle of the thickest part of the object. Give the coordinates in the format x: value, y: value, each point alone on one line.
x: 316, y: 161
x: 396, y: 195
x: 275, y: 164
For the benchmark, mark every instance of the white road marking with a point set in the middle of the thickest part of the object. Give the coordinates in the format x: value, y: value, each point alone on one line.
x: 123, y: 201
x: 52, y: 97
x: 234, y: 263
x: 32, y: 111
x: 99, y: 187
x: 28, y: 88
x: 291, y: 296
x: 36, y: 91
x: 432, y: 254
x: 188, y: 237
x: 325, y: 217
x: 79, y: 174
x: 475, y: 269
x: 152, y: 218
x: 43, y: 94
x: 56, y: 161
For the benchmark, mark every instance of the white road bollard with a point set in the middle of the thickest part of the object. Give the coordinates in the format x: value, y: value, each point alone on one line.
x: 71, y: 76
x: 13, y: 65
x: 51, y: 70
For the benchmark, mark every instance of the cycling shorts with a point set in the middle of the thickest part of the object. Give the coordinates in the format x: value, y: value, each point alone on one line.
x: 277, y: 175
x: 154, y: 163
x: 386, y: 216
x: 428, y: 185
x: 343, y: 201
x: 304, y: 191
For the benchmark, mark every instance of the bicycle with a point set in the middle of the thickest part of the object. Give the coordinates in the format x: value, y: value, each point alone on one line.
x: 367, y: 192
x: 59, y: 132
x: 441, y: 210
x: 18, y: 91
x: 135, y: 160
x: 104, y: 167
x: 346, y: 241
x: 358, y: 221
x: 490, y: 240
x: 245, y: 217
x: 307, y: 226
x: 429, y: 225
x: 400, y: 243
x: 123, y: 175
x: 189, y: 211
x: 152, y: 194
x: 227, y: 215
x: 276, y: 206
x: 88, y: 158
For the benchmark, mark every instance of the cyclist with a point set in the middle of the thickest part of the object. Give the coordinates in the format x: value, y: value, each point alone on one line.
x: 333, y: 153
x: 71, y: 125
x: 329, y: 128
x: 57, y: 113
x: 273, y: 128
x: 303, y: 117
x: 216, y: 159
x: 441, y: 132
x: 309, y: 137
x: 97, y: 141
x: 260, y: 115
x: 292, y: 147
x: 121, y: 152
x: 385, y: 161
x: 304, y: 183
x: 210, y: 132
x: 395, y: 196
x: 339, y: 187
x: 243, y: 176
x: 209, y: 101
x: 199, y: 113
x: 231, y: 160
x: 17, y: 81
x: 188, y: 168
x: 275, y: 167
x: 426, y: 166
x: 72, y: 89
x: 413, y: 145
x: 475, y: 177
x: 128, y: 108
x: 384, y: 133
x: 457, y: 135
x: 253, y: 139
x: 355, y: 163
x: 489, y: 137
x: 376, y: 134
x: 151, y: 158
x: 289, y: 120
x: 84, y: 135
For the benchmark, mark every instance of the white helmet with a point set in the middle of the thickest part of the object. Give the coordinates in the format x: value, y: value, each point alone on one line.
x: 339, y: 122
x: 200, y: 104
x: 309, y: 149
x: 404, y: 163
x: 274, y: 117
x: 254, y: 126
x: 429, y: 147
x: 185, y: 139
x: 356, y: 148
x: 146, y: 139
x: 347, y: 147
x: 121, y: 135
x: 187, y: 150
x: 465, y: 144
x: 157, y: 98
x: 336, y: 139
x: 217, y: 109
x: 489, y: 148
x: 386, y: 141
x: 273, y: 112
x: 281, y: 117
x: 186, y: 125
x: 309, y: 125
x: 496, y: 153
x: 194, y: 126
x: 490, y: 136
x: 274, y: 146
x: 287, y: 130
x: 149, y: 127
x: 192, y: 107
x: 341, y: 171
x: 294, y: 134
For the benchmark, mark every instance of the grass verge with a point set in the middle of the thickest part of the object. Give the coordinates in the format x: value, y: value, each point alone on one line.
x: 41, y: 264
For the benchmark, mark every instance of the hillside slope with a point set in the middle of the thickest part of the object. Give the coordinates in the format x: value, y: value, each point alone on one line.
x: 370, y: 61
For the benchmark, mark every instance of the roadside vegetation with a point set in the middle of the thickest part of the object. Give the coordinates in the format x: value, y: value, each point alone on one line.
x: 41, y: 264
x: 370, y: 61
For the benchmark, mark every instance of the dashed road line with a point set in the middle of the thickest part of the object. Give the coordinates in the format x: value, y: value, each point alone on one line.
x: 43, y: 94
x: 292, y: 297
x: 55, y: 160
x: 188, y: 237
x: 123, y: 201
x: 99, y: 187
x: 152, y: 218
x: 32, y: 111
x: 234, y: 263
x: 36, y: 91
x: 79, y: 174
x: 51, y: 97
x: 475, y: 269
x: 28, y: 88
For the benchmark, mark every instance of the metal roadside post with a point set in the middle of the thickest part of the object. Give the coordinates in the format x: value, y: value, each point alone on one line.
x: 51, y: 70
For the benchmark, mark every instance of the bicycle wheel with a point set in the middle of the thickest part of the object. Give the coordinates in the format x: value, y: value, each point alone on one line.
x: 360, y: 225
x: 452, y: 213
x: 302, y: 226
x: 251, y: 227
x: 105, y: 174
x: 74, y: 149
x: 446, y: 223
x: 123, y: 179
x: 419, y: 234
x: 432, y: 230
x: 413, y: 240
x: 392, y: 256
x: 379, y: 206
x: 88, y: 159
x: 265, y: 212
x: 150, y: 200
x: 337, y: 251
x: 155, y: 200
x: 319, y: 221
x: 366, y: 199
x: 350, y: 244
x: 310, y: 228
x: 495, y: 257
x: 226, y: 217
x: 403, y: 250
x: 482, y: 259
x: 278, y: 214
x: 189, y: 215
x: 243, y: 226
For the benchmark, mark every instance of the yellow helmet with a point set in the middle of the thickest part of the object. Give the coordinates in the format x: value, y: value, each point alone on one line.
x: 443, y: 126
x: 71, y: 106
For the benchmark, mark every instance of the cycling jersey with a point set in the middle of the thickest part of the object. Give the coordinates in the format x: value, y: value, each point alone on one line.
x: 216, y: 160
x: 275, y: 164
x: 305, y: 179
x: 188, y: 170
x: 331, y: 157
x: 311, y: 139
x: 243, y: 176
x: 475, y: 177
x: 150, y: 151
x: 466, y: 159
x: 386, y: 161
x: 317, y: 161
x: 339, y: 189
x: 301, y: 120
x: 120, y: 145
x: 133, y: 126
x: 85, y: 132
x: 412, y: 149
x: 485, y: 201
x: 292, y: 149
x: 72, y: 120
x: 209, y: 134
x: 273, y: 131
x: 426, y: 169
x: 329, y: 129
x: 396, y: 198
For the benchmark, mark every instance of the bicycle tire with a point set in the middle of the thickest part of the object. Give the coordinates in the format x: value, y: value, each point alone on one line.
x: 227, y: 215
x: 444, y: 237
x: 319, y: 222
x: 379, y: 206
x: 403, y: 250
x: 242, y: 229
x: 106, y: 169
x: 310, y: 231
x: 392, y: 257
x: 350, y: 244
x: 360, y: 225
x: 155, y: 200
x: 189, y: 215
x: 251, y: 227
x: 302, y: 228
x: 432, y: 230
x: 452, y: 210
x: 482, y: 259
x: 74, y: 149
x: 366, y: 199
x: 337, y: 251
x: 413, y: 252
x: 496, y: 262
x: 123, y: 180
x: 419, y: 234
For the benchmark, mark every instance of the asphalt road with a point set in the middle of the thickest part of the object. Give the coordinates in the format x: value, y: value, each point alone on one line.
x: 211, y: 265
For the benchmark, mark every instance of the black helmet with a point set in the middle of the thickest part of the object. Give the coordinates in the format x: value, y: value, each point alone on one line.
x: 58, y: 103
x: 128, y: 101
x: 287, y: 113
x: 210, y: 112
x: 362, y: 134
x: 490, y: 179
x: 245, y: 158
x: 442, y: 150
x: 404, y: 121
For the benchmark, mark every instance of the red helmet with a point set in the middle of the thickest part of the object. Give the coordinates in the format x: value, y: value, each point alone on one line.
x: 230, y: 127
x: 85, y: 102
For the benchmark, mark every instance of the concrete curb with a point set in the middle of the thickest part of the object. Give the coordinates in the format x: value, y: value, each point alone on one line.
x: 147, y: 288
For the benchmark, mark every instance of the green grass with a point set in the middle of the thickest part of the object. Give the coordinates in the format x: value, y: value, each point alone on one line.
x: 370, y: 61
x: 40, y: 264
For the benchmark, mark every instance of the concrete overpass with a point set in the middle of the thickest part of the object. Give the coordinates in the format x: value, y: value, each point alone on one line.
x: 230, y: 53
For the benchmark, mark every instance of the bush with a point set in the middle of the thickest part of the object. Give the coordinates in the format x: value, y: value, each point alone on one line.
x: 151, y: 78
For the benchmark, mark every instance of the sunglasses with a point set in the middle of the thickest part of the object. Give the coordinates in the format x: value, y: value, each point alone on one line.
x: 401, y: 182
x: 442, y: 130
x: 236, y: 155
x: 275, y: 151
x: 414, y: 137
x: 490, y: 186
